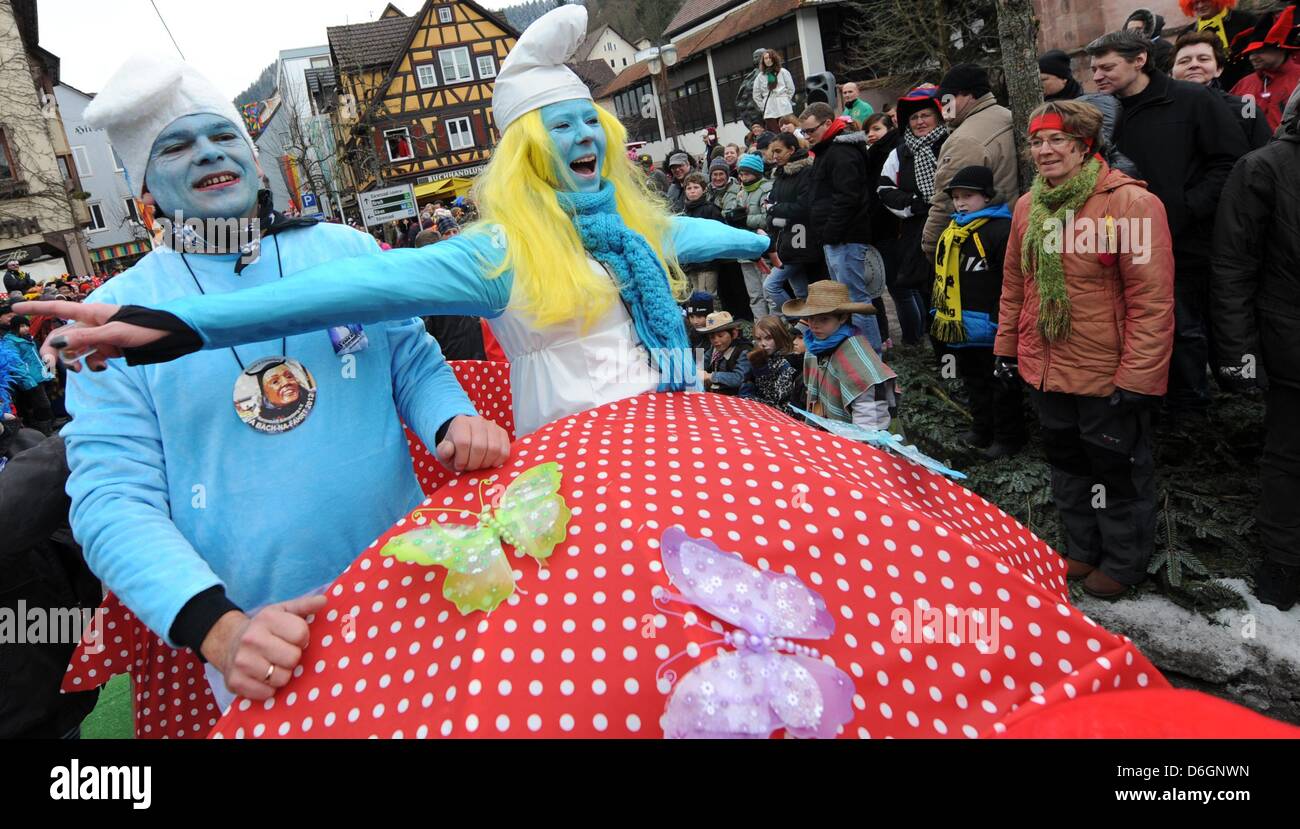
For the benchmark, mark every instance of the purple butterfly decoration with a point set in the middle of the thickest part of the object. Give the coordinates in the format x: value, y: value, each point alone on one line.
x: 767, y: 682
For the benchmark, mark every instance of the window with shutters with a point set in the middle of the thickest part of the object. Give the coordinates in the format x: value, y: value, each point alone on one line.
x: 460, y: 135
x: 399, y: 144
x: 82, y: 158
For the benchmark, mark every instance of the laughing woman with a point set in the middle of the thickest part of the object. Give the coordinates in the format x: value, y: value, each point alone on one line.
x: 574, y: 264
x: 1091, y: 334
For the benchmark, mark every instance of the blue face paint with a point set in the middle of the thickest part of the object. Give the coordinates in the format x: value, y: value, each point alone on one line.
x: 188, y: 162
x: 579, y: 143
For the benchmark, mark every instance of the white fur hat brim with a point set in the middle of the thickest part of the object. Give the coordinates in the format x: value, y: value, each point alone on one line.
x: 146, y: 94
x: 533, y: 74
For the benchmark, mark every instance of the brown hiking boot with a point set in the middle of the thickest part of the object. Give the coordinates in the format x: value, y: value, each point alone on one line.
x: 1103, y: 586
x: 1075, y: 570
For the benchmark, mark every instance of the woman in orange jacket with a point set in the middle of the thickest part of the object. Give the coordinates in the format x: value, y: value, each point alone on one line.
x: 1087, y: 322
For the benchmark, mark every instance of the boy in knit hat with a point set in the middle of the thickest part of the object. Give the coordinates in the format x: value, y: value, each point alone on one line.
x: 744, y: 208
x: 721, y: 185
x: 703, y: 276
x: 697, y: 310
x: 965, y: 300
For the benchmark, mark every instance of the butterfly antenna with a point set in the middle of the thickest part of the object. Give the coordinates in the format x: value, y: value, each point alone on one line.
x: 671, y: 597
x: 661, y: 673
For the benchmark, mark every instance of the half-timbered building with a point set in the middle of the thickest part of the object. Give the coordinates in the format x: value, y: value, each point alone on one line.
x: 414, y: 94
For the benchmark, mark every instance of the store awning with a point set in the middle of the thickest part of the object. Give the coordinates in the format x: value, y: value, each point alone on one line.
x: 443, y: 188
x: 112, y: 252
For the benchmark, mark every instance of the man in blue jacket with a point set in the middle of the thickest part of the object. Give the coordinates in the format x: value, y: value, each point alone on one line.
x: 214, y: 523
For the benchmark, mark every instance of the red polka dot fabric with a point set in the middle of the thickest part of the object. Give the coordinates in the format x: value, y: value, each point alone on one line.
x: 950, y: 616
x: 172, y: 696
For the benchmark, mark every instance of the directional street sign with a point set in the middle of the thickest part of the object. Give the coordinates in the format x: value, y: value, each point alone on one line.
x: 388, y: 205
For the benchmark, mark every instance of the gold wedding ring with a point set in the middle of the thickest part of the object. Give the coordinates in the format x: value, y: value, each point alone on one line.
x: 269, y: 670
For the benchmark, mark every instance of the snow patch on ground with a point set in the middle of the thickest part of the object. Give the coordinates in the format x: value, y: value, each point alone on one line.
x: 1254, y: 654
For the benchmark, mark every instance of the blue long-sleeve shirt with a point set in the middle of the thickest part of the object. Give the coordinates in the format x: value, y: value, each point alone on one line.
x: 450, y: 277
x: 173, y: 494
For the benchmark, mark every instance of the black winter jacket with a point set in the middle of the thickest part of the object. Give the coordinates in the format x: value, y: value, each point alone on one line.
x: 702, y: 209
x: 40, y: 565
x: 1184, y: 143
x: 1255, y: 128
x: 841, y: 196
x: 790, y: 211
x: 915, y: 269
x: 1256, y: 285
x: 884, y: 225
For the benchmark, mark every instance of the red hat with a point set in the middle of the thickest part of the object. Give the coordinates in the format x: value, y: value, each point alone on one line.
x: 1280, y: 33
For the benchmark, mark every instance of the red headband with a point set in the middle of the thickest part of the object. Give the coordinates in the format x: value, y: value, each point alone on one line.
x: 1053, y: 121
x: 1047, y: 121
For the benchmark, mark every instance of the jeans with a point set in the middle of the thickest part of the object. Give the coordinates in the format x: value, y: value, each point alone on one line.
x: 774, y: 286
x: 911, y: 307
x: 859, y: 268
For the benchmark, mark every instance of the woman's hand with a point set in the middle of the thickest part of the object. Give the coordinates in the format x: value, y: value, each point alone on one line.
x: 92, y: 332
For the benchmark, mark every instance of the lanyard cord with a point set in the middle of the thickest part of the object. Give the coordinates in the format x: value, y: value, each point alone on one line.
x: 284, y: 341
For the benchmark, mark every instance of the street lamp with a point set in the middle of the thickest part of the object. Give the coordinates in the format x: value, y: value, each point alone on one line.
x: 657, y: 60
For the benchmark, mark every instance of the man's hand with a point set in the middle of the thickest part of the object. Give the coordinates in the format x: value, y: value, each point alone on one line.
x: 257, y: 656
x: 94, y: 332
x: 473, y: 443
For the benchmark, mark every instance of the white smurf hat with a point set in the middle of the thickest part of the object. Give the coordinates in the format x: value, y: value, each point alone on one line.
x: 145, y: 95
x: 533, y: 74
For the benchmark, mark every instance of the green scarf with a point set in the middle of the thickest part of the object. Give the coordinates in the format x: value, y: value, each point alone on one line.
x: 1048, y: 209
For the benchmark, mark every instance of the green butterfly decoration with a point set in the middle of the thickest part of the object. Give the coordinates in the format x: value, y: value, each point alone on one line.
x: 531, y: 516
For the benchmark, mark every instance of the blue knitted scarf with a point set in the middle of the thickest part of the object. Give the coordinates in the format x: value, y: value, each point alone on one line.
x: 641, y: 281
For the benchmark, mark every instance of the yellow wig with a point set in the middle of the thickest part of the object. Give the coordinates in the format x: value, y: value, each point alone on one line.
x: 552, y: 281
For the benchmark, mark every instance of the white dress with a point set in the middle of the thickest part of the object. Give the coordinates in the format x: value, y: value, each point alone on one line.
x: 562, y: 370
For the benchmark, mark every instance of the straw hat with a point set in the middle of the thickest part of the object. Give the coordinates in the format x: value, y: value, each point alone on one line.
x: 826, y: 297
x: 718, y: 321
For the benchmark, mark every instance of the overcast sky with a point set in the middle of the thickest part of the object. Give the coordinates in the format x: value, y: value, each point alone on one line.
x: 230, y: 41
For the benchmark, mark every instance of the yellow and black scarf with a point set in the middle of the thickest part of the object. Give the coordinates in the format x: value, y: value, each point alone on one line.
x: 946, y: 296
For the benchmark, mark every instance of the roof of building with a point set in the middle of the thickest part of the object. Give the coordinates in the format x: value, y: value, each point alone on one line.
x: 319, y: 78
x: 377, y: 43
x: 595, y: 73
x: 304, y: 52
x: 590, y: 41
x: 696, y: 11
x: 738, y: 23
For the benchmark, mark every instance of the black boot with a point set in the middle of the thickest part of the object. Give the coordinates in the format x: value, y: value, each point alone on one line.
x: 1002, y: 449
x: 974, y: 438
x: 1277, y: 584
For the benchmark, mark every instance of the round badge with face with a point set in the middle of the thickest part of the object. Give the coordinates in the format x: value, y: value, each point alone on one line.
x: 275, y: 395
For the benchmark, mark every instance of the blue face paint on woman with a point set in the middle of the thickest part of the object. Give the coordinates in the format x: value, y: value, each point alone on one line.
x: 202, y: 166
x: 579, y: 143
